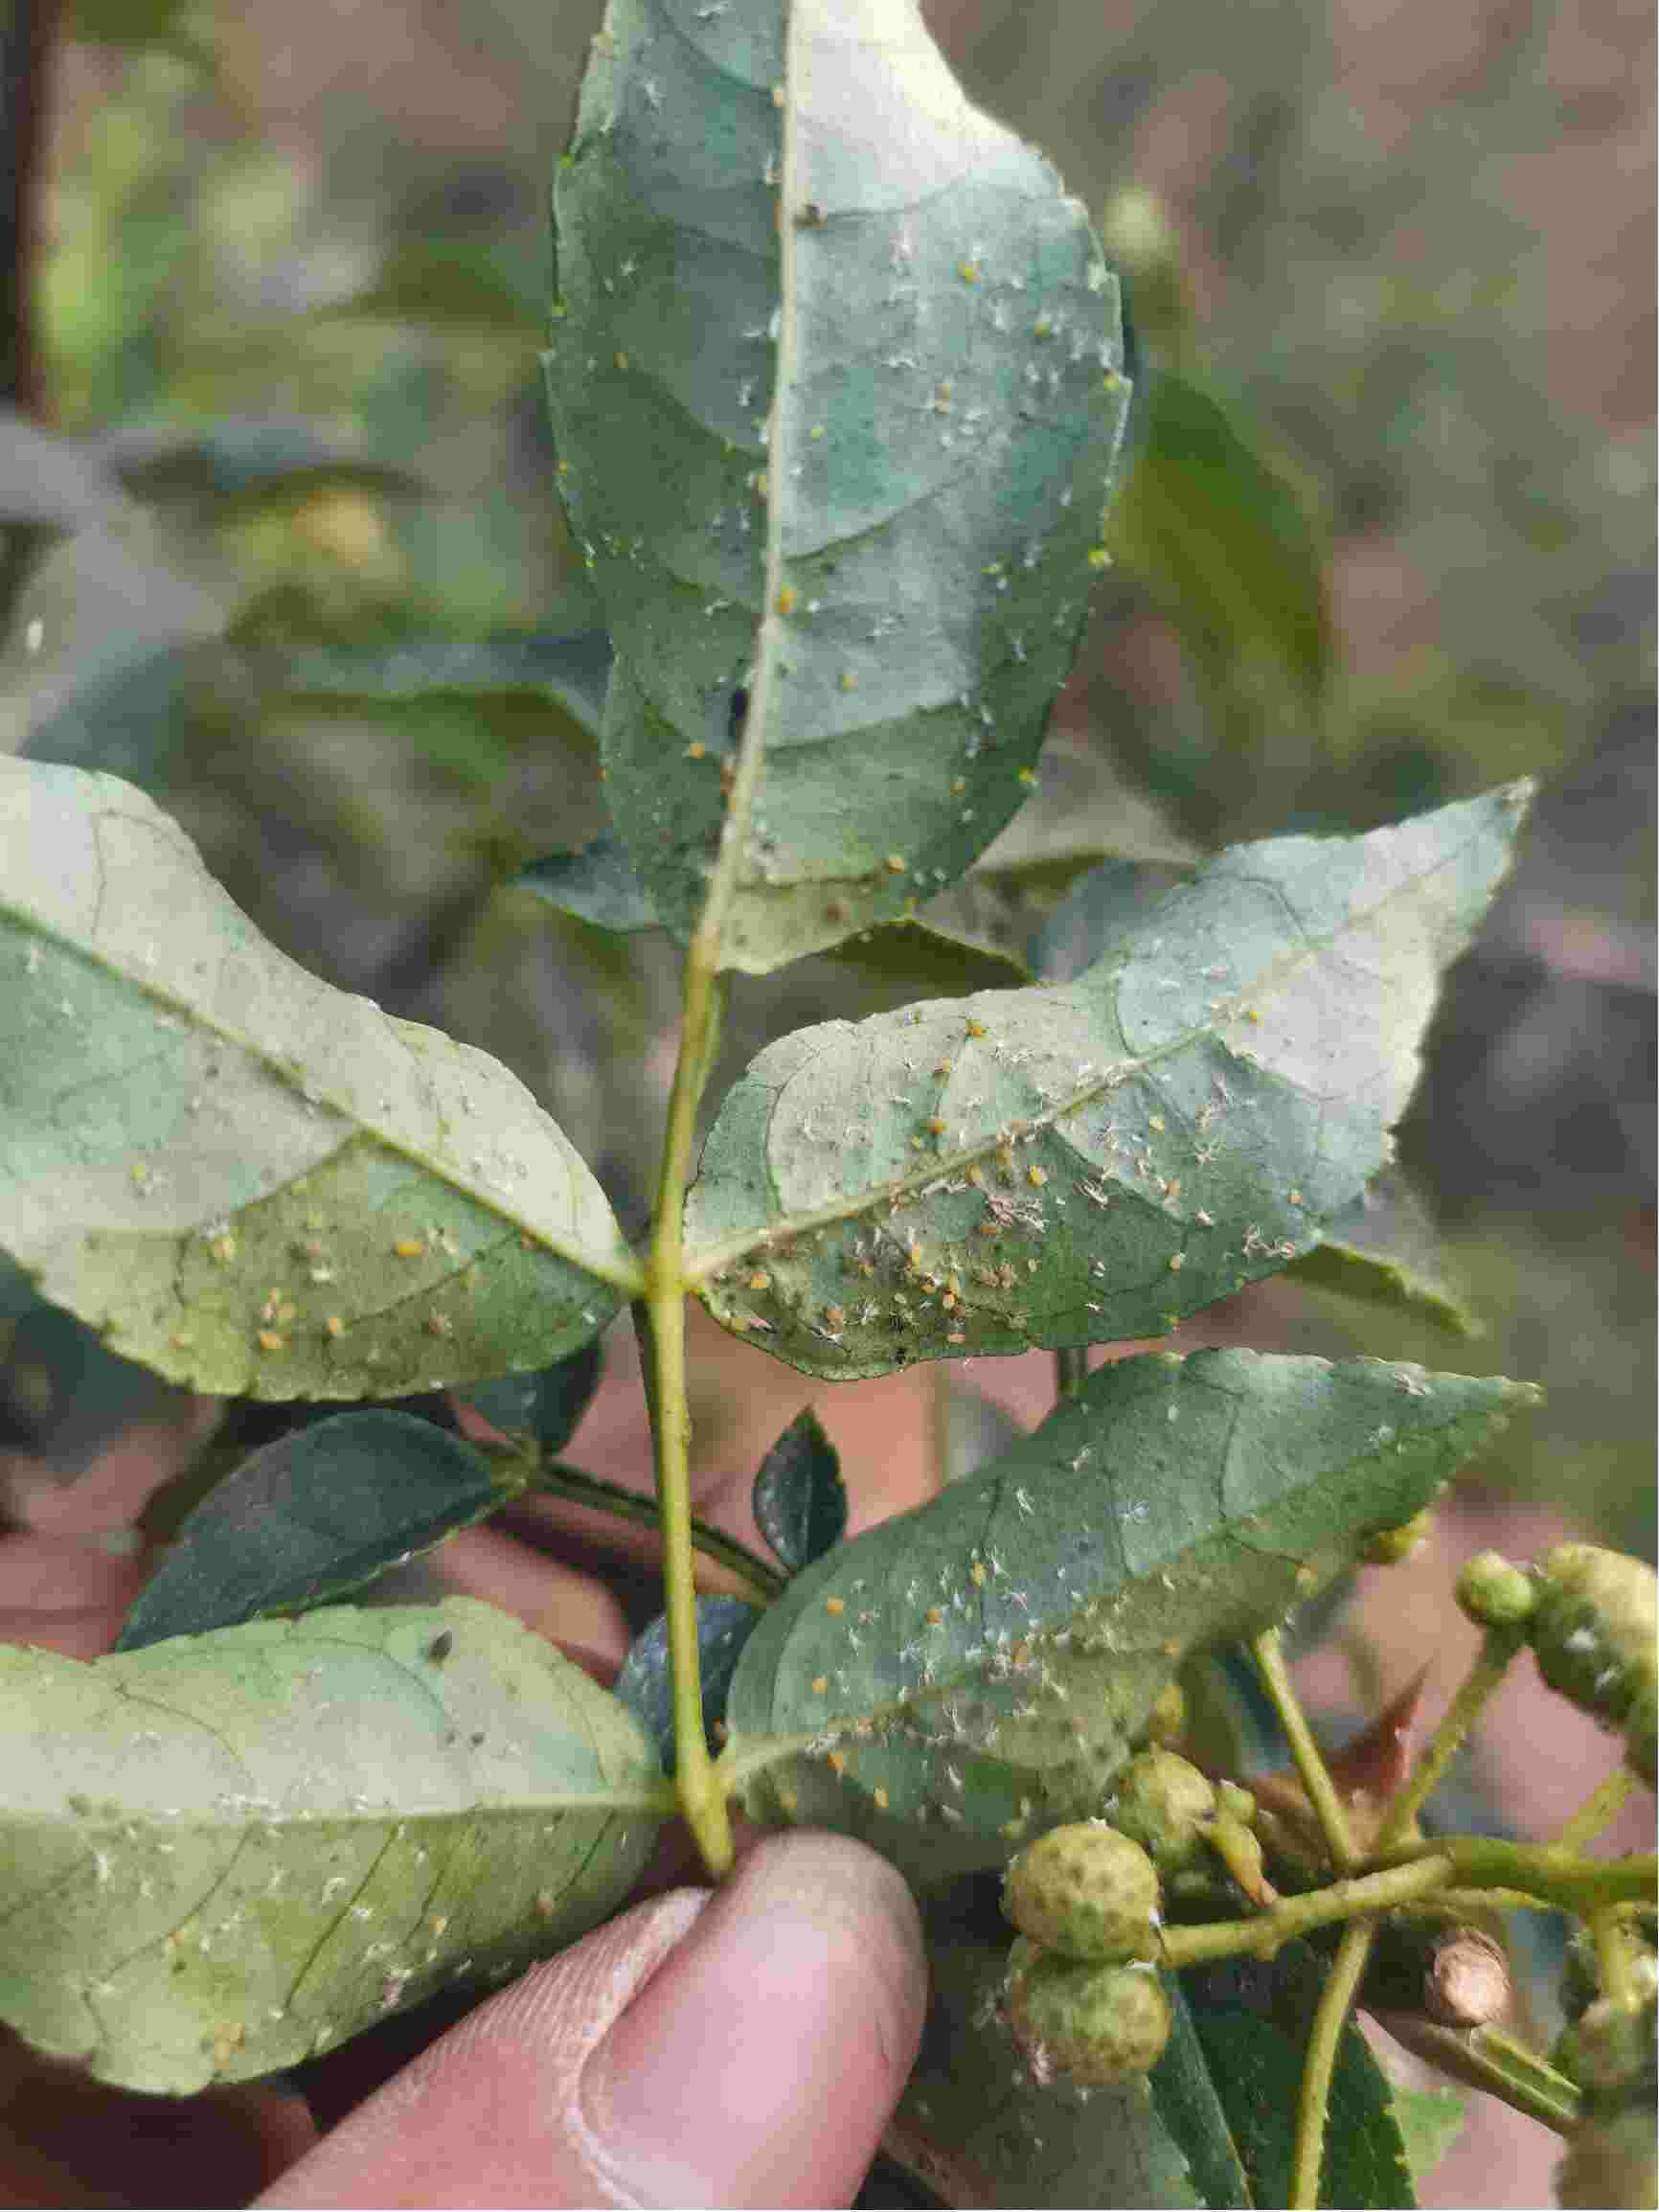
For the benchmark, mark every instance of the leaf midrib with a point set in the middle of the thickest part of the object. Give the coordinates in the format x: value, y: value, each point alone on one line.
x: 711, y: 1258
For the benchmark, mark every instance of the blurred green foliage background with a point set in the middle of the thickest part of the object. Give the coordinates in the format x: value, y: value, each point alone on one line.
x: 1385, y: 537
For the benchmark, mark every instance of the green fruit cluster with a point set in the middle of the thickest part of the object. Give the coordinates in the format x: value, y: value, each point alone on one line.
x: 1082, y: 1996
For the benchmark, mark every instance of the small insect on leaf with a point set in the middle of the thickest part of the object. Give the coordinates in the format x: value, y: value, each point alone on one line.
x: 441, y: 1646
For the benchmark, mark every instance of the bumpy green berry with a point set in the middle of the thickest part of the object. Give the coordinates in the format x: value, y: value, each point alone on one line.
x: 1164, y: 1804
x: 1496, y: 1594
x: 1610, y: 2052
x: 1594, y: 1634
x: 1098, y: 2023
x: 1389, y: 1545
x: 1087, y: 1890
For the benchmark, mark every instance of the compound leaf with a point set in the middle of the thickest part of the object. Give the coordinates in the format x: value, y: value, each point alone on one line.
x: 1095, y: 1160
x: 247, y: 1179
x: 314, y: 1515
x: 223, y: 1854
x: 836, y: 389
x: 800, y: 1500
x: 962, y: 1675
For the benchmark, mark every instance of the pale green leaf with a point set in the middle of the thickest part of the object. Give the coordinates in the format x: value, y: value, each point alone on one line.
x: 978, y: 1667
x: 222, y: 1855
x: 855, y: 456
x: 248, y: 1181
x: 1385, y: 1252
x: 1096, y: 1160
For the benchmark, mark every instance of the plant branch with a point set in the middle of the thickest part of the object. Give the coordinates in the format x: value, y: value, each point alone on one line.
x: 1484, y: 2059
x: 1322, y: 1793
x: 1292, y: 1916
x: 1597, y: 1811
x: 1546, y: 1875
x: 702, y: 1800
x: 763, y: 1582
x: 1477, y: 1686
x: 1335, y: 2002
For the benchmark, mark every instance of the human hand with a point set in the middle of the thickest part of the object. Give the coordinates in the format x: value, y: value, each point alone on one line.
x: 733, y: 2047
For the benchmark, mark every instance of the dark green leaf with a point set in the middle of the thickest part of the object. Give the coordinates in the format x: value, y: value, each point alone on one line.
x: 572, y: 671
x: 1096, y: 1160
x: 986, y: 1660
x: 929, y: 956
x: 225, y: 1854
x: 243, y: 463
x: 800, y: 1499
x: 1252, y: 2020
x: 62, y: 1395
x: 1102, y: 910
x: 307, y: 1519
x: 646, y: 1684
x: 596, y: 884
x: 253, y: 1182
x: 548, y: 1403
x: 898, y: 574
x: 1222, y: 539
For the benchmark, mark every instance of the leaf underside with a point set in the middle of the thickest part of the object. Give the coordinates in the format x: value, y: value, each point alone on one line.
x: 250, y: 1181
x: 961, y: 1676
x: 792, y: 216
x: 222, y: 1854
x: 1093, y: 1161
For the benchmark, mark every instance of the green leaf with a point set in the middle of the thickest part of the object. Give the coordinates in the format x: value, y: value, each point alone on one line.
x: 1222, y: 539
x: 547, y: 1404
x: 63, y: 1396
x: 1430, y: 2122
x: 225, y: 1854
x: 1095, y: 1160
x: 128, y: 713
x: 988, y: 1657
x: 247, y: 1179
x: 646, y: 1682
x: 931, y: 956
x: 1098, y: 913
x: 979, y: 2130
x: 245, y: 464
x: 1252, y: 2020
x: 1385, y: 1252
x: 573, y: 672
x: 316, y: 1514
x: 800, y: 1500
x: 899, y: 565
x: 596, y: 884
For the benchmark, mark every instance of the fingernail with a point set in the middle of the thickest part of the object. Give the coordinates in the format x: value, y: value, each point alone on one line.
x: 763, y: 2059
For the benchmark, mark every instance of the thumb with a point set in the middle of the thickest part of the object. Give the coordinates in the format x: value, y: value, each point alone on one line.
x: 744, y: 2047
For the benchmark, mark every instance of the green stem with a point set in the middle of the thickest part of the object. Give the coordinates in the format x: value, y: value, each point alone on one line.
x: 761, y: 1581
x: 1613, y: 1959
x: 1488, y: 2060
x: 1597, y: 1811
x: 1477, y: 1686
x: 1071, y: 1370
x: 1292, y: 1916
x: 1547, y: 1876
x: 702, y: 1798
x: 1335, y: 2002
x: 1322, y: 1793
